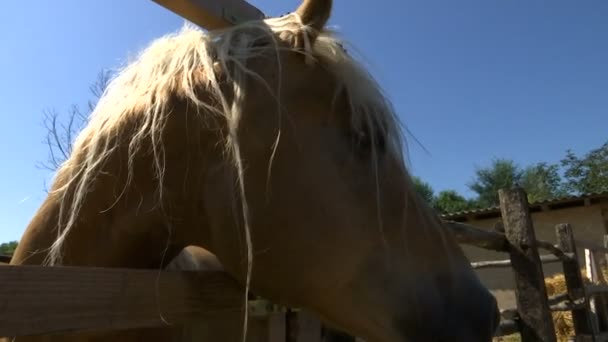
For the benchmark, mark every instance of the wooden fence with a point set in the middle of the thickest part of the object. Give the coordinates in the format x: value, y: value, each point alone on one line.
x: 40, y: 300
x: 532, y: 318
x: 43, y: 300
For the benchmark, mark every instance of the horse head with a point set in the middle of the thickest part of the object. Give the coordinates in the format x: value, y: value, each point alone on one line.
x: 270, y: 146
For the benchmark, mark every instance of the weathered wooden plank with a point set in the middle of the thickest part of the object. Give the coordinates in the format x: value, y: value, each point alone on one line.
x: 562, y: 302
x: 40, y: 300
x: 213, y: 14
x: 581, y: 317
x: 591, y: 245
x: 584, y: 338
x: 268, y: 328
x: 532, y: 305
x: 545, y: 259
x: 567, y: 306
x: 606, y: 246
x: 601, y: 266
x: 603, y: 337
x: 470, y: 235
x: 553, y: 249
x: 595, y: 274
x: 605, y: 220
x: 596, y: 289
x: 303, y: 326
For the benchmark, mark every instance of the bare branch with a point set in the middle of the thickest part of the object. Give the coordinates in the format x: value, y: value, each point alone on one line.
x: 53, y: 141
x: 56, y: 137
x: 99, y: 87
x: 61, y: 131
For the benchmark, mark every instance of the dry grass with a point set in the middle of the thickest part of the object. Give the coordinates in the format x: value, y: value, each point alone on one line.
x: 564, y: 327
x: 562, y: 320
x: 508, y: 338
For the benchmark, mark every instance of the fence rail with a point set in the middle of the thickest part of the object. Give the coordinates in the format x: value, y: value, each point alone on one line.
x: 467, y: 234
x: 545, y: 259
x: 592, y: 246
x: 45, y: 300
x: 38, y: 300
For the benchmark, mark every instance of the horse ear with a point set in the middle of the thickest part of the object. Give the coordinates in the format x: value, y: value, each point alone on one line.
x: 315, y: 13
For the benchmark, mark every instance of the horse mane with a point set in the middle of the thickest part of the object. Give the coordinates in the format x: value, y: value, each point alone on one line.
x: 179, y: 63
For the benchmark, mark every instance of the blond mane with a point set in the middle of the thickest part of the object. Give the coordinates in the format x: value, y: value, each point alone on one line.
x: 172, y: 65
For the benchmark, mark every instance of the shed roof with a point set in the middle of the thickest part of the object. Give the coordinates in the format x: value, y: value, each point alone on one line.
x: 551, y: 204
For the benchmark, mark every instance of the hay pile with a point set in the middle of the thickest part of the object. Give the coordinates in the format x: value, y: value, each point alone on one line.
x: 564, y: 328
x: 562, y: 320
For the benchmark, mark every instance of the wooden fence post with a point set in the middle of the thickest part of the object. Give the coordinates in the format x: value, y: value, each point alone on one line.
x: 581, y: 317
x: 533, y: 308
x: 331, y: 335
x: 602, y: 266
x: 596, y: 302
x: 303, y: 326
x: 605, y: 254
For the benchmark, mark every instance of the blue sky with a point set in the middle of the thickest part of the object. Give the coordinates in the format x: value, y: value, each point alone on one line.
x: 471, y: 79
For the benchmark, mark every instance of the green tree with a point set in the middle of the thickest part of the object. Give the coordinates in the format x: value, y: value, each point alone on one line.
x: 588, y: 173
x: 502, y: 173
x: 542, y: 182
x: 450, y: 201
x: 8, y: 248
x: 424, y: 189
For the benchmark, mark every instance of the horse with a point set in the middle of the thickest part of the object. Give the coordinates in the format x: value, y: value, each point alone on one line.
x: 269, y: 145
x: 193, y: 258
x: 225, y: 327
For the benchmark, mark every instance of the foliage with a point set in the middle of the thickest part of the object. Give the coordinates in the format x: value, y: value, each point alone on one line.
x: 586, y: 174
x: 8, y: 248
x: 502, y: 173
x: 424, y: 189
x: 60, y: 133
x: 446, y: 201
x: 450, y: 201
x: 542, y: 182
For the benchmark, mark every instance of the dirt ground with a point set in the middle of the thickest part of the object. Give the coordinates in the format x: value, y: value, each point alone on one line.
x: 505, y: 298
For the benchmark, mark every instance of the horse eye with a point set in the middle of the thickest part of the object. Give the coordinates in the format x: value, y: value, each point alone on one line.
x: 364, y: 141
